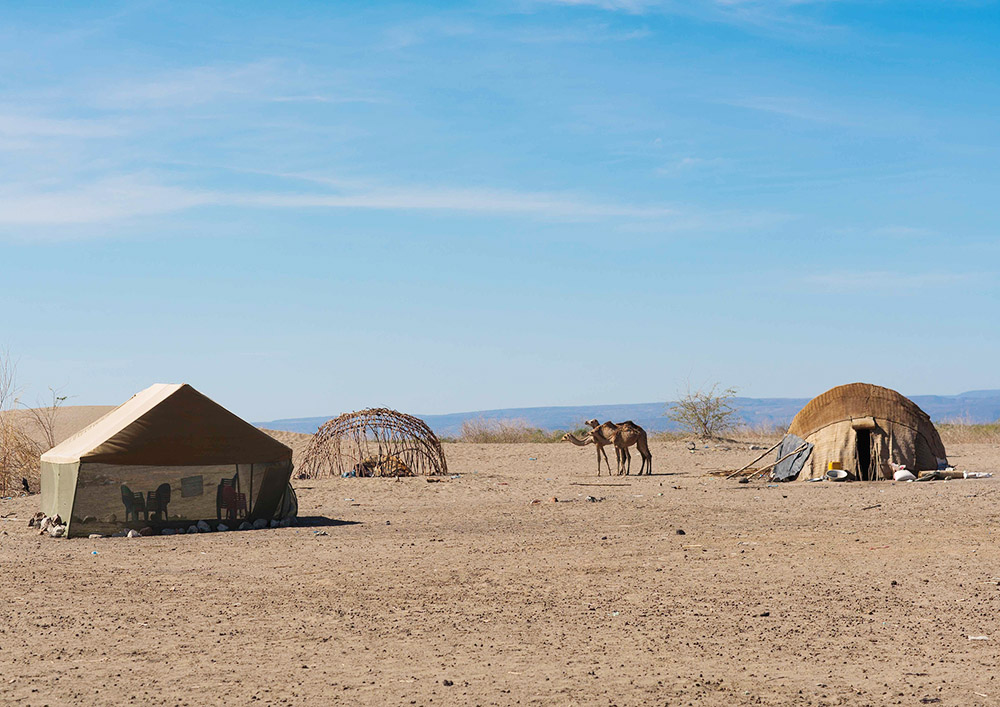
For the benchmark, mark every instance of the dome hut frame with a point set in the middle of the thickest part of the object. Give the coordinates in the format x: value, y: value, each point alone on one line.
x: 865, y: 428
x: 373, y: 442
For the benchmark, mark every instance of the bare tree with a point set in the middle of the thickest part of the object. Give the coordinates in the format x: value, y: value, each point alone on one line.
x: 44, y: 417
x: 705, y: 412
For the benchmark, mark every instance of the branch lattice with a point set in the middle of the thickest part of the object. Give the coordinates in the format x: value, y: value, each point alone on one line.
x: 373, y: 442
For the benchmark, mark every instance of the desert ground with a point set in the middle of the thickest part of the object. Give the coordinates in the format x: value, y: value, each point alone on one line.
x: 464, y: 591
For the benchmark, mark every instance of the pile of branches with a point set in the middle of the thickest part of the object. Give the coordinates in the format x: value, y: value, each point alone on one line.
x: 373, y: 442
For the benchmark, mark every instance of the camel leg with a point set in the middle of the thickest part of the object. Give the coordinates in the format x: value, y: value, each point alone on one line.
x: 600, y: 451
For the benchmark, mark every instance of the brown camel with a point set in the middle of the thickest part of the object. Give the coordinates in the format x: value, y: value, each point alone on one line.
x: 594, y: 437
x: 624, y: 436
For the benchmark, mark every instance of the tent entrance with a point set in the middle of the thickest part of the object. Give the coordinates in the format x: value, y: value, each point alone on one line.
x: 863, y: 454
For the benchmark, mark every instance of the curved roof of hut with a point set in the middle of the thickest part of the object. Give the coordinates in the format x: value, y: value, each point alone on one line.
x: 854, y: 401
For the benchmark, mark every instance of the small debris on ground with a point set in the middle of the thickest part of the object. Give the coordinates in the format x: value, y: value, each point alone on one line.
x: 680, y: 532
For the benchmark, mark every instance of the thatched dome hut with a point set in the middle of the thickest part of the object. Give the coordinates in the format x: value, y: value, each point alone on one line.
x: 866, y: 428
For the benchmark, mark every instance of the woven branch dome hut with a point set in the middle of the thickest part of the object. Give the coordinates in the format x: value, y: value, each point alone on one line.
x: 864, y: 427
x: 373, y: 442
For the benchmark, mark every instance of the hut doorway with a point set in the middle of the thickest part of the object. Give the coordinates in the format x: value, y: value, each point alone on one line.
x: 863, y: 453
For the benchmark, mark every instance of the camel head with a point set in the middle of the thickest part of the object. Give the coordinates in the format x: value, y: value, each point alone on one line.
x: 592, y: 423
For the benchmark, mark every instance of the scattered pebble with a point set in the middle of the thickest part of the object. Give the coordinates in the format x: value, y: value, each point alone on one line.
x: 680, y: 532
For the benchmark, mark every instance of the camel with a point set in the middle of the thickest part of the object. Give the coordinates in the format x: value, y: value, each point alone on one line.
x: 594, y: 437
x: 624, y: 436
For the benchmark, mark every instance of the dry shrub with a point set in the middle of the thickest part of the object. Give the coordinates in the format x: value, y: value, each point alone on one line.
x: 19, y: 456
x: 706, y: 413
x: 19, y: 449
x: 19, y: 453
x: 960, y: 432
x: 760, y: 432
x: 483, y: 431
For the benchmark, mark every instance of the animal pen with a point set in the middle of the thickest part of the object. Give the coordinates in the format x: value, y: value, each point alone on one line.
x: 374, y: 442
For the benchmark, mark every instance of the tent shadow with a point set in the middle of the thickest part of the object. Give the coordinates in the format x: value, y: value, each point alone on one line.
x: 322, y: 522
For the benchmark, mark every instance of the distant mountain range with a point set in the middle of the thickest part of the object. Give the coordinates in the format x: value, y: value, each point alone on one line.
x: 977, y: 406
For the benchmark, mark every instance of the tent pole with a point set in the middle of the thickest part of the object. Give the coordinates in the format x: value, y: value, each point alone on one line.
x: 757, y: 459
x: 774, y: 464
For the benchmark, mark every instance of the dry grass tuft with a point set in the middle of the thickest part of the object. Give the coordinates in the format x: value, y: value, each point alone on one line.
x: 958, y: 432
x: 483, y: 431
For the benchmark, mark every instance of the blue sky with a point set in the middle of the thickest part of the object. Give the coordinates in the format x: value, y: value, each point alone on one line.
x: 307, y: 208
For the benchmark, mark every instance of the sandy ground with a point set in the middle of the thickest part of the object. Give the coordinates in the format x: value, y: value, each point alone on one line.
x: 463, y: 592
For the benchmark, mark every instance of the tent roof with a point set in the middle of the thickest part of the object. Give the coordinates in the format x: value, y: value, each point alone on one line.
x: 169, y: 425
x: 854, y: 401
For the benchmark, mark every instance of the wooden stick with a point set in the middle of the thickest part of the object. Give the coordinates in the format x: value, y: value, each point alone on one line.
x: 755, y: 460
x: 774, y: 464
x: 575, y: 483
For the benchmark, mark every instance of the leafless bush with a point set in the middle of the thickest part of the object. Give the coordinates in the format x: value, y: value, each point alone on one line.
x: 705, y: 413
x: 18, y: 451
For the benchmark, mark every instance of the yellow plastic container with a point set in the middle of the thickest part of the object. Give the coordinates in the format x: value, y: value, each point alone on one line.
x: 830, y: 466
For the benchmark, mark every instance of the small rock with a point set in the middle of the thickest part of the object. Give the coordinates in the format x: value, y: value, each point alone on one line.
x: 447, y: 683
x: 167, y: 531
x: 764, y: 613
x: 275, y: 523
x: 553, y: 500
x: 222, y: 527
x: 95, y: 536
x: 680, y: 532
x: 260, y: 524
x: 192, y: 529
x: 321, y: 532
x: 388, y: 523
x: 744, y: 480
x: 57, y: 531
x: 147, y: 531
x: 204, y: 527
x: 893, y: 583
x: 245, y: 526
x: 134, y: 534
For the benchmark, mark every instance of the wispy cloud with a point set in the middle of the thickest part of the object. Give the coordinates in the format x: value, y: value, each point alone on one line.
x: 193, y: 86
x: 890, y: 280
x: 21, y: 125
x: 782, y: 16
x: 103, y: 201
x: 888, y: 232
x: 586, y: 34
x: 687, y: 164
x: 136, y: 195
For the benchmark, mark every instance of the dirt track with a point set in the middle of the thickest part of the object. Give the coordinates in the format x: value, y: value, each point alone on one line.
x: 802, y: 594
